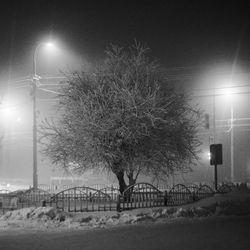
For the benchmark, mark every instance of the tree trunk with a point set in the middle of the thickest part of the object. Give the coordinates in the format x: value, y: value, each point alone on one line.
x: 131, y: 180
x: 122, y: 183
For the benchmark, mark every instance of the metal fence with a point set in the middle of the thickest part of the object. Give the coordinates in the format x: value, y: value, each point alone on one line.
x: 203, y: 191
x: 32, y: 198
x: 140, y: 195
x: 23, y: 198
x: 7, y: 202
x: 83, y: 199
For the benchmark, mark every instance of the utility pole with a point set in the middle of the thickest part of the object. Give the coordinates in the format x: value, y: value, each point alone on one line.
x: 214, y: 118
x: 214, y: 134
x: 34, y: 93
x: 35, y: 79
x: 232, y: 143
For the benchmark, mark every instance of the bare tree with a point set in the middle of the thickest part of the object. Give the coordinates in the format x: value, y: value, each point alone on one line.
x: 124, y: 116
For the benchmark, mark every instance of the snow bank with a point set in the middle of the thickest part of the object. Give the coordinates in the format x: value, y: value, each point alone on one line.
x: 49, y: 218
x: 31, y: 213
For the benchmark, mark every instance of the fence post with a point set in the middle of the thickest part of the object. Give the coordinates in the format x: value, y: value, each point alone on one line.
x: 44, y: 203
x: 166, y: 198
x: 118, y: 205
x: 194, y: 196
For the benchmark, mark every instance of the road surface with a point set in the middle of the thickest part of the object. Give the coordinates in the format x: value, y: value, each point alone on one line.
x: 220, y: 233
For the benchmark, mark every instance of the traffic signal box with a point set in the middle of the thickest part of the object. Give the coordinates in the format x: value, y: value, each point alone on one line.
x: 216, y: 154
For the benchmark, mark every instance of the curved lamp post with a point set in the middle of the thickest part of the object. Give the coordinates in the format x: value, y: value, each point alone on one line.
x: 231, y: 130
x: 35, y: 80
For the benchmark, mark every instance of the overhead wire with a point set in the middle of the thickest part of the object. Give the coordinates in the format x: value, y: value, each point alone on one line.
x: 50, y: 91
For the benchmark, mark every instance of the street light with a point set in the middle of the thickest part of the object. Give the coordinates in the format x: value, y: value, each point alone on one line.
x: 48, y: 45
x: 214, y: 139
x: 35, y: 80
x: 232, y: 143
x: 231, y: 130
x: 9, y: 112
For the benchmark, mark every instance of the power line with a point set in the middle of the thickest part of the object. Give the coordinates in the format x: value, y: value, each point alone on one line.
x: 53, y: 77
x: 50, y: 91
x: 222, y: 88
x: 212, y: 95
x: 53, y: 84
x: 235, y: 119
x: 21, y: 86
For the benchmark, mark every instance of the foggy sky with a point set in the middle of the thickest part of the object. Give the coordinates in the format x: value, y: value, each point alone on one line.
x: 189, y: 35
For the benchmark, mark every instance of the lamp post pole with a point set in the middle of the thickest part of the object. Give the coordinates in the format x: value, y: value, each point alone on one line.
x: 35, y: 79
x: 35, y: 177
x: 214, y: 141
x: 232, y: 143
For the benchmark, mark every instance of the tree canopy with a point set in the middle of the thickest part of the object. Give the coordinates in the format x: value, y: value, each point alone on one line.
x: 124, y: 116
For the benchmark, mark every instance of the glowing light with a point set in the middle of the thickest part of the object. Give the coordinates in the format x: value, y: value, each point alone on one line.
x: 209, y: 156
x: 18, y: 119
x: 229, y: 95
x: 47, y: 47
x: 228, y: 92
x: 9, y: 111
x: 50, y: 45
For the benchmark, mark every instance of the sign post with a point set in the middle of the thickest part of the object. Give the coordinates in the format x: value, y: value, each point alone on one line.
x: 216, y: 159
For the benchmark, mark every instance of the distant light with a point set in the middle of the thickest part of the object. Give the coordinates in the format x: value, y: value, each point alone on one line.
x: 7, y: 112
x: 50, y: 45
x: 209, y: 155
x: 228, y: 93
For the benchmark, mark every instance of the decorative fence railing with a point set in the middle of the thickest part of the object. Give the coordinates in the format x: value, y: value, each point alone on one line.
x: 204, y: 191
x: 58, y: 188
x: 179, y: 195
x: 32, y: 197
x: 23, y: 198
x: 140, y: 195
x: 84, y: 199
x: 80, y: 199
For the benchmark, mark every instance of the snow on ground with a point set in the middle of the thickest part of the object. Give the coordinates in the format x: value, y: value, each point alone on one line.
x: 48, y: 218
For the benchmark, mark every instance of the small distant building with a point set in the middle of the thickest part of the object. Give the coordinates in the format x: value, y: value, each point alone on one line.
x: 66, y: 181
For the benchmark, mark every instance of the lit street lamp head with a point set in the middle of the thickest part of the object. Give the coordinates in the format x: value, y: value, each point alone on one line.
x: 47, y: 45
x: 50, y: 45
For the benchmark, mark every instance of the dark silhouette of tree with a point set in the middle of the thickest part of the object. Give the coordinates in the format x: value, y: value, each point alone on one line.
x: 124, y: 116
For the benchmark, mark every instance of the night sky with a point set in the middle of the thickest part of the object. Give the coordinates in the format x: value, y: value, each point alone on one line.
x: 179, y: 33
x: 190, y: 36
